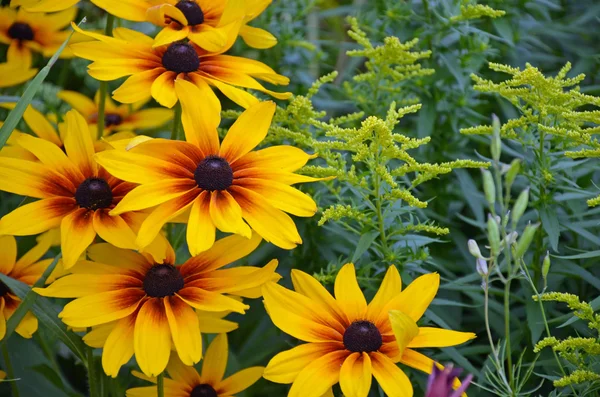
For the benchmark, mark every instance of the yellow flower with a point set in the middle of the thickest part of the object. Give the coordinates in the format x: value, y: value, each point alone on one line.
x: 350, y: 341
x: 186, y: 381
x: 76, y: 194
x: 220, y: 184
x: 154, y: 302
x: 28, y: 269
x: 153, y: 71
x: 124, y: 119
x: 26, y: 32
x: 13, y: 72
x: 44, y: 5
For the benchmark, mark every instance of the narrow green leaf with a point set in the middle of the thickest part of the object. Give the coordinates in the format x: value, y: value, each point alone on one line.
x: 15, y: 115
x: 363, y: 244
x: 551, y: 226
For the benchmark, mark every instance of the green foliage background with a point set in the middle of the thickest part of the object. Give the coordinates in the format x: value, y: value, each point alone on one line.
x: 313, y: 42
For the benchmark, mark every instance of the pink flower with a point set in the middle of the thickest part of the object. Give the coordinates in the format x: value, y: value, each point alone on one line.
x: 441, y: 380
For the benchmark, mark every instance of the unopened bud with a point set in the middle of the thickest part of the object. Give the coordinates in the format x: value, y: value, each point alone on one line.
x: 496, y: 146
x: 525, y: 240
x: 481, y: 267
x: 474, y: 248
x: 511, y: 238
x: 513, y: 171
x: 488, y: 187
x: 520, y: 207
x: 493, y: 235
x: 546, y: 268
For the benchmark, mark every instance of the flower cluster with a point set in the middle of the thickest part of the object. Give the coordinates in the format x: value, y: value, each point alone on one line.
x: 111, y: 200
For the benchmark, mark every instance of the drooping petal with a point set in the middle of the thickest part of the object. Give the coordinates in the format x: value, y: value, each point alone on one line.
x: 163, y: 89
x: 215, y: 361
x: 185, y: 330
x: 76, y: 234
x: 281, y: 196
x: 436, y: 337
x: 248, y: 131
x: 356, y: 375
x: 152, y: 337
x: 182, y: 373
x: 404, y: 327
x: 27, y: 326
x: 97, y: 337
x: 137, y: 87
x: 392, y: 379
x: 118, y: 348
x: 240, y: 381
x: 285, y: 366
x: 297, y: 315
x: 79, y: 102
x: 257, y: 38
x: 37, y: 217
x: 40, y: 125
x: 200, y: 119
x: 316, y: 378
x: 348, y: 293
x: 101, y: 308
x: 390, y: 287
x: 114, y: 230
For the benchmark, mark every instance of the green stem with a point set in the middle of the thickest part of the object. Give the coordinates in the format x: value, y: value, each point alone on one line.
x: 110, y: 19
x: 380, y: 218
x: 47, y: 351
x: 91, y: 367
x: 176, y: 121
x: 10, y: 373
x: 160, y: 387
x: 507, y: 331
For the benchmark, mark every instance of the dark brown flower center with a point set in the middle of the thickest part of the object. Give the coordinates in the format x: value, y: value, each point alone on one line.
x: 163, y: 280
x: 362, y: 336
x: 112, y: 119
x: 181, y: 58
x: 93, y: 194
x: 214, y: 173
x: 4, y: 289
x: 20, y: 31
x: 203, y: 391
x: 192, y: 11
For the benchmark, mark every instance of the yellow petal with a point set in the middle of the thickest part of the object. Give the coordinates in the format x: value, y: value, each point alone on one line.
x: 348, y: 294
x: 210, y: 301
x: 51, y: 5
x: 52, y: 156
x: 118, y: 348
x: 392, y: 379
x: 284, y: 158
x: 240, y: 381
x: 215, y: 361
x: 79, y: 285
x: 182, y: 373
x: 415, y: 299
x: 79, y: 145
x: 318, y: 376
x: 40, y: 125
x: 114, y: 230
x: 226, y: 214
x: 27, y: 326
x: 163, y: 89
x: 96, y: 338
x: 77, y: 233
x: 405, y: 329
x: 152, y: 338
x: 257, y: 38
x: 152, y: 194
x: 137, y: 87
x: 79, y: 102
x: 200, y: 234
x: 37, y: 217
x: 436, y: 337
x: 8, y: 254
x: 248, y: 131
x: 390, y: 287
x: 169, y: 35
x: 310, y: 287
x: 356, y: 376
x: 185, y: 330
x: 282, y: 196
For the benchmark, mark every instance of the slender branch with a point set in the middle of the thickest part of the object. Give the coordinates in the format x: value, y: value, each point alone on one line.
x: 160, y: 387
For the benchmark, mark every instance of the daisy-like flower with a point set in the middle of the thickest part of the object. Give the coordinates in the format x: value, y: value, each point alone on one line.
x: 222, y: 185
x: 154, y: 302
x: 26, y: 32
x: 123, y: 119
x: 186, y: 381
x: 349, y: 341
x: 14, y: 72
x: 75, y: 194
x: 28, y: 269
x: 153, y: 71
x: 44, y: 5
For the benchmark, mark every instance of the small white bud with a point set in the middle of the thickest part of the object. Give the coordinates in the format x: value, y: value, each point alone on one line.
x: 481, y: 267
x: 474, y: 248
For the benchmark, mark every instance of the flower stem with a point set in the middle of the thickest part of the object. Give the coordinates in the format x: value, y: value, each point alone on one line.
x: 110, y: 19
x: 160, y: 387
x: 91, y: 367
x: 10, y: 373
x: 176, y: 121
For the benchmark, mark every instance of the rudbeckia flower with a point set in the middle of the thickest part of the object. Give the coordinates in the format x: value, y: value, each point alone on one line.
x: 153, y: 71
x: 349, y: 341
x: 222, y: 185
x: 28, y: 269
x: 14, y: 72
x: 154, y: 302
x: 26, y: 32
x: 44, y: 5
x: 186, y: 381
x: 75, y: 193
x: 123, y: 119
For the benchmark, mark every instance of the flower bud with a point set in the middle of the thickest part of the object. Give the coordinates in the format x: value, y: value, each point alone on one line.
x: 513, y: 171
x: 525, y: 240
x: 511, y: 238
x: 493, y: 235
x: 488, y: 187
x: 474, y: 248
x: 520, y: 207
x: 481, y: 267
x: 546, y: 268
x: 496, y: 146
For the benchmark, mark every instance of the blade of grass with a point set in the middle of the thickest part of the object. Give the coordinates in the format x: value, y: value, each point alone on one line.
x: 15, y: 115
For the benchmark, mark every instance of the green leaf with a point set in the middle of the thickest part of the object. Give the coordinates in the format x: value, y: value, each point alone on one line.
x: 364, y: 243
x: 15, y: 115
x: 551, y: 226
x: 535, y: 322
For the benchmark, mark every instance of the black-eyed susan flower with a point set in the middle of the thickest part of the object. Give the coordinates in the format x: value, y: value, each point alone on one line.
x: 26, y: 33
x: 153, y: 71
x: 123, y: 119
x: 225, y: 186
x: 75, y: 193
x: 13, y: 72
x: 186, y: 381
x: 349, y: 341
x: 43, y: 5
x: 154, y: 302
x: 27, y: 269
